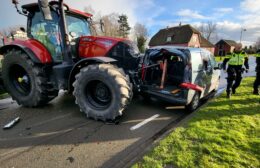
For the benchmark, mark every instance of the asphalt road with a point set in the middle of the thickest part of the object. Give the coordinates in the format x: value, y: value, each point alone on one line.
x: 58, y: 135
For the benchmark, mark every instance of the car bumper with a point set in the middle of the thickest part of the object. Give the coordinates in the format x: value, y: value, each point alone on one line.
x: 167, y: 97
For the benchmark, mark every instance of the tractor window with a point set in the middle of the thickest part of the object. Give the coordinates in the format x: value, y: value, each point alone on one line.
x: 48, y: 33
x: 1, y: 42
x: 78, y: 26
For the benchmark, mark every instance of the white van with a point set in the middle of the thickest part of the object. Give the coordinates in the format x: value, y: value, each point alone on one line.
x: 179, y: 75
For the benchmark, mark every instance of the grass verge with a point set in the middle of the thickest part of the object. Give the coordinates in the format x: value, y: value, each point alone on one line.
x: 226, y: 133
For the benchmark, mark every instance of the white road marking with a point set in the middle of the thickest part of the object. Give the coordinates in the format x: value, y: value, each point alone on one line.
x: 144, y: 122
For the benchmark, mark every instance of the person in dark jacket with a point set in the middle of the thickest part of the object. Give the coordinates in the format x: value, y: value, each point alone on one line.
x: 235, y: 68
x: 257, y: 69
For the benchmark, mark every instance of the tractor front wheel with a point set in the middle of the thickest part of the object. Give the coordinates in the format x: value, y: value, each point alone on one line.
x: 102, y: 91
x: 25, y: 81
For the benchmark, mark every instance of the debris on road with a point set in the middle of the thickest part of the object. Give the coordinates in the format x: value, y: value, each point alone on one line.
x: 112, y: 122
x: 28, y: 128
x: 12, y: 123
x: 71, y: 159
x: 174, y: 107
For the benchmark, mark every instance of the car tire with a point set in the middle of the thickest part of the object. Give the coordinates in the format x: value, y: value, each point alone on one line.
x: 217, y: 86
x: 146, y: 97
x: 102, y: 91
x: 25, y: 81
x: 194, y: 104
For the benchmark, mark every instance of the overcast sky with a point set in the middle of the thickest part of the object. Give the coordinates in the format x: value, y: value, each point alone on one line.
x: 230, y: 15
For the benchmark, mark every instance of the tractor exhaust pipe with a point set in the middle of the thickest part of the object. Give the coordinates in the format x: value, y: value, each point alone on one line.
x: 63, y: 70
x: 45, y: 9
x: 65, y: 35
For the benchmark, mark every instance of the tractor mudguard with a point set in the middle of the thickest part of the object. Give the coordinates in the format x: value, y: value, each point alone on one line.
x: 29, y: 52
x: 84, y: 62
x: 34, y: 49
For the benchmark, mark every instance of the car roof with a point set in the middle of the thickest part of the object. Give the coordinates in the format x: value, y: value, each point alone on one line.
x: 191, y: 49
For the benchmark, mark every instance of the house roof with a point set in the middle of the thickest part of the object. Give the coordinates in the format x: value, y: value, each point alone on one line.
x: 229, y: 42
x: 179, y: 34
x: 205, y: 43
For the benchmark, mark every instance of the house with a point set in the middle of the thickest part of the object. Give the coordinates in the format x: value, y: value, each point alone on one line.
x: 185, y: 36
x: 223, y: 47
x: 18, y: 34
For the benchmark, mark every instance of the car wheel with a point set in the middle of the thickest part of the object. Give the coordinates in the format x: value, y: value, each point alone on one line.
x: 194, y: 104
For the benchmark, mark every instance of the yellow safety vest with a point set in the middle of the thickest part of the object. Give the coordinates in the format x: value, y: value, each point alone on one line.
x: 237, y: 59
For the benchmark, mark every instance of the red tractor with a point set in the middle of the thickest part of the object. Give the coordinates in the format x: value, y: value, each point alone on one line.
x: 62, y: 53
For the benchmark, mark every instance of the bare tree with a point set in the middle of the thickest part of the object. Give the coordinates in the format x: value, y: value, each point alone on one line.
x: 140, y: 30
x: 111, y: 25
x: 208, y: 30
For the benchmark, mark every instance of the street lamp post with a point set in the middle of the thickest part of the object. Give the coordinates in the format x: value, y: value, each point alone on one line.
x: 242, y: 30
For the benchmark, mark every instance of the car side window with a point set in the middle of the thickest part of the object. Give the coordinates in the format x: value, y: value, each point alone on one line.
x: 205, y: 60
x: 212, y: 60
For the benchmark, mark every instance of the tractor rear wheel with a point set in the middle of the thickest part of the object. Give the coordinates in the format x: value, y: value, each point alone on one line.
x: 102, y: 91
x: 25, y: 81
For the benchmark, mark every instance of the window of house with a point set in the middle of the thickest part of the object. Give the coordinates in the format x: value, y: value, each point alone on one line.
x: 169, y: 39
x: 194, y: 39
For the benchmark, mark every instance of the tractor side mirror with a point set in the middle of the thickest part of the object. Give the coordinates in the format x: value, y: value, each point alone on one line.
x: 22, y: 29
x: 101, y: 22
x: 73, y: 35
x: 45, y: 9
x: 15, y: 2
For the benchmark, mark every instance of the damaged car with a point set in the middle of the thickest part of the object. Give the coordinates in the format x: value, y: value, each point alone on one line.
x: 179, y: 75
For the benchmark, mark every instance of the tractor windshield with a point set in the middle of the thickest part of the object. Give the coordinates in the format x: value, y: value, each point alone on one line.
x: 48, y: 33
x: 78, y: 26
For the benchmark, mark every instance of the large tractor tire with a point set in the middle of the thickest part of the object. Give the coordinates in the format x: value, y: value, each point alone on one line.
x: 102, y: 91
x: 25, y: 81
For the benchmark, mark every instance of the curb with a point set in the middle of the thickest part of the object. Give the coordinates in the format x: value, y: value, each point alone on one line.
x: 167, y: 130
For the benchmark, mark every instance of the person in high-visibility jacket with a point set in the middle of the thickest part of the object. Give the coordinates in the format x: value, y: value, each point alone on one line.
x: 235, y: 61
x: 257, y: 69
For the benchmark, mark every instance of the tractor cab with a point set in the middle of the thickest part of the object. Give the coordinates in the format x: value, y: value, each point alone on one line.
x: 48, y: 32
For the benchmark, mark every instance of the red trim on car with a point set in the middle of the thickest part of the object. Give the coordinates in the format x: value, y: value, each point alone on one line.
x: 191, y: 86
